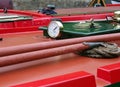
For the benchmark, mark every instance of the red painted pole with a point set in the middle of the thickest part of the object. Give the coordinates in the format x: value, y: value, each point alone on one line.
x: 57, y: 43
x: 35, y: 55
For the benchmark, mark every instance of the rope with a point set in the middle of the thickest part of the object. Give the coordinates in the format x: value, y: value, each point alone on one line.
x: 106, y: 50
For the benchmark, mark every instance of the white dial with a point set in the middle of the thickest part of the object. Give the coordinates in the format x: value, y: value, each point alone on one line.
x: 54, y: 29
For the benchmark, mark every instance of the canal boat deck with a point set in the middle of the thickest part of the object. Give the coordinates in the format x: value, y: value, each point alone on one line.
x: 48, y: 67
x: 52, y: 66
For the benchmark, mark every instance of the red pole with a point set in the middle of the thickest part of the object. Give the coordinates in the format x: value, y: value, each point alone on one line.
x: 35, y: 55
x: 57, y: 43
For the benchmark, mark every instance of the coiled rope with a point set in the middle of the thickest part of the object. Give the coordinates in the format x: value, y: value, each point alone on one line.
x: 105, y: 50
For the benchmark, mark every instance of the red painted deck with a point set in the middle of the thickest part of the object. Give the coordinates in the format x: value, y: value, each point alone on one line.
x: 49, y: 67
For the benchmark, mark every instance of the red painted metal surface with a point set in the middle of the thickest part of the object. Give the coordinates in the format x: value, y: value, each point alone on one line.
x: 112, y: 5
x: 76, y: 79
x: 70, y: 62
x: 23, y: 25
x: 110, y: 73
x: 20, y: 12
x: 6, y: 25
x: 51, y: 66
x: 86, y: 17
x: 18, y: 29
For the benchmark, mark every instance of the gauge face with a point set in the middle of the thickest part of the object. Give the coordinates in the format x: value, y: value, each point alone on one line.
x: 54, y: 29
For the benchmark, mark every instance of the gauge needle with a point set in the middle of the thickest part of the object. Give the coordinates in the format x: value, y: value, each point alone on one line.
x: 55, y: 28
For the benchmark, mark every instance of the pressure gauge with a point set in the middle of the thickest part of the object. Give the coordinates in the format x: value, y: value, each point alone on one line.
x: 117, y: 15
x: 54, y: 29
